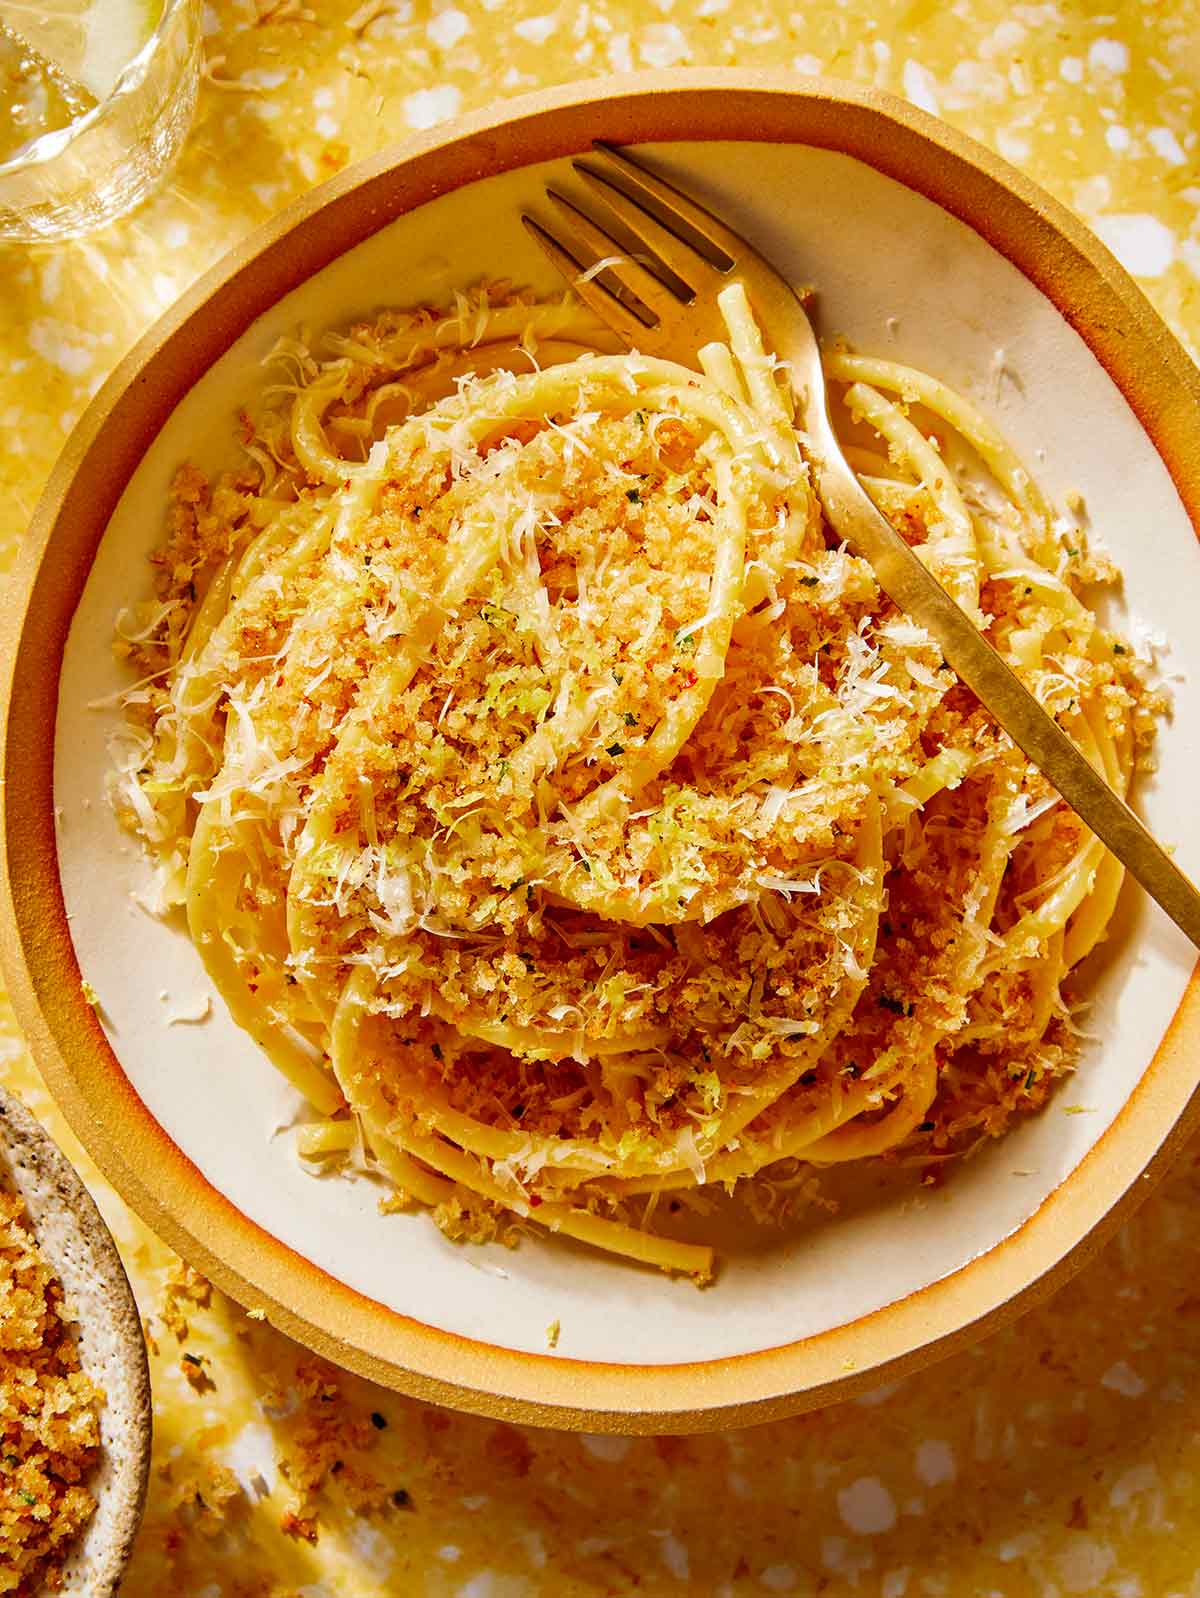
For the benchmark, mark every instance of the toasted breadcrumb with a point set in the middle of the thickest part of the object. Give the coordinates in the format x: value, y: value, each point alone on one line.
x: 49, y: 1416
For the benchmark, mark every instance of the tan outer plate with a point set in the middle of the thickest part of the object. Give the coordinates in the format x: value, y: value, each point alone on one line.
x: 112, y: 1349
x: 1095, y: 296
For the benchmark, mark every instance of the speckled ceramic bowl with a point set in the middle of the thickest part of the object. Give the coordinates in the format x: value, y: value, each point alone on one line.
x: 112, y: 1349
x: 920, y: 244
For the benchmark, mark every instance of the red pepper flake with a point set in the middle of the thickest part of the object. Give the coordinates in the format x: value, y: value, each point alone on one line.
x: 534, y: 1201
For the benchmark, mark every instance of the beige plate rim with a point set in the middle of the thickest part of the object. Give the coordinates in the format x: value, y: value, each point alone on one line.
x: 1037, y: 235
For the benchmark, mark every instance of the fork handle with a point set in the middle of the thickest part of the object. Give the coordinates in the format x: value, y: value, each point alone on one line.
x: 906, y: 581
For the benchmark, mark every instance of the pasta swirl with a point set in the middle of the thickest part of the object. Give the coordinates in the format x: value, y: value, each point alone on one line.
x: 568, y: 817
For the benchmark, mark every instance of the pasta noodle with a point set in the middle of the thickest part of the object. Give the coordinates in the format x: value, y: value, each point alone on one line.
x: 568, y: 817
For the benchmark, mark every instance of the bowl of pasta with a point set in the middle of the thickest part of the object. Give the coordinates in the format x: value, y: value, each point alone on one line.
x: 507, y: 895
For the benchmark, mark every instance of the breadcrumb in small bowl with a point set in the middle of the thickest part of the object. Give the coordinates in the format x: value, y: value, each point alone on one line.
x: 74, y: 1383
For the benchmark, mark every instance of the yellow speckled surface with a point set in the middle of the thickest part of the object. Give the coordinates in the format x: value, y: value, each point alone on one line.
x: 1061, y: 1457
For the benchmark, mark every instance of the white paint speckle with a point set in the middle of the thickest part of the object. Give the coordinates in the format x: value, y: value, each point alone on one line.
x: 895, y: 1583
x: 674, y: 1555
x: 935, y: 1462
x: 846, y: 1558
x: 176, y: 235
x: 251, y: 1458
x: 877, y: 1395
x: 481, y: 1586
x: 620, y: 56
x: 447, y: 28
x: 537, y: 29
x: 1083, y: 1564
x: 663, y: 45
x: 1117, y: 138
x: 1012, y: 146
x: 1004, y: 39
x: 52, y: 272
x: 778, y: 1578
x: 611, y: 1449
x: 1070, y: 69
x: 535, y: 1548
x: 449, y: 1553
x: 1093, y: 194
x: 264, y: 77
x: 1143, y: 245
x: 867, y: 1507
x: 920, y: 87
x: 326, y: 125
x: 1021, y: 1546
x: 1109, y: 55
x: 1137, y: 1479
x: 373, y: 1551
x: 1165, y: 145
x: 808, y: 66
x: 323, y: 98
x: 1128, y: 1587
x: 62, y: 345
x: 1122, y: 1378
x: 427, y: 107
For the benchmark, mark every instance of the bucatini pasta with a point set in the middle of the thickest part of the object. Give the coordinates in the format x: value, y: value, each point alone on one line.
x: 568, y: 816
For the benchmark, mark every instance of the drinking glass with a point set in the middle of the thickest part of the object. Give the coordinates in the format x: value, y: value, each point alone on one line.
x: 105, y: 162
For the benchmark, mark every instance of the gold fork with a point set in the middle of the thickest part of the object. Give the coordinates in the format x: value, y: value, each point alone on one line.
x: 669, y: 308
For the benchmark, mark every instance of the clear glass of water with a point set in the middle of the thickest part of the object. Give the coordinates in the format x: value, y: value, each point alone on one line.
x: 107, y: 158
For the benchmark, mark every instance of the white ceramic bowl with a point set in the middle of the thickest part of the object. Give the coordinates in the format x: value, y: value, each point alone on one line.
x: 921, y: 246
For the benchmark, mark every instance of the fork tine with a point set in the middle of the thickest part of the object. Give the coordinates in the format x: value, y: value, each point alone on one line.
x: 726, y: 246
x: 692, y: 269
x: 607, y: 306
x: 658, y: 299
